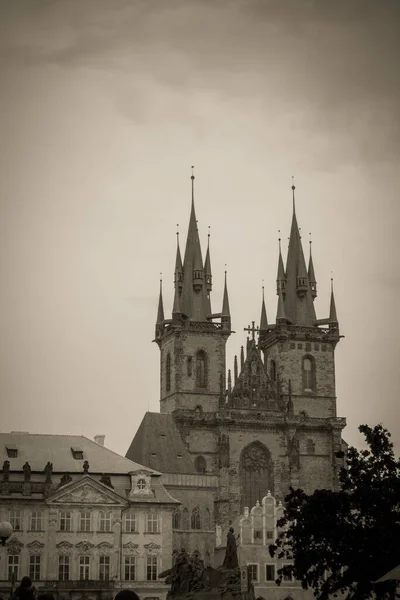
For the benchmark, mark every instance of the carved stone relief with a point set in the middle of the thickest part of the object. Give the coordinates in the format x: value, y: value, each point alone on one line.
x: 14, y: 546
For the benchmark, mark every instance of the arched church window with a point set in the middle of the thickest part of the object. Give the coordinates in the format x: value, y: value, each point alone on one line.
x: 168, y: 373
x: 272, y: 370
x: 176, y: 519
x: 185, y: 519
x: 201, y: 369
x: 308, y: 374
x: 256, y: 474
x: 206, y: 520
x: 200, y: 464
x: 195, y: 522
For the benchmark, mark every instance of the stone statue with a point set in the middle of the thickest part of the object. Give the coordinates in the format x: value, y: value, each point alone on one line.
x: 27, y: 471
x: 294, y: 452
x: 48, y: 470
x: 6, y: 470
x: 66, y: 478
x: 86, y: 467
x: 106, y: 479
x: 223, y: 451
x: 231, y: 557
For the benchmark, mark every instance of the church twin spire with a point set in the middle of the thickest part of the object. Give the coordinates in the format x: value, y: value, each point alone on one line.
x: 193, y: 279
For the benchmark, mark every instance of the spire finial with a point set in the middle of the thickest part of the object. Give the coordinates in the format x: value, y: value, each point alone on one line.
x: 331, y: 281
x: 192, y: 178
x: 293, y: 189
x: 208, y: 235
x: 279, y: 239
x: 160, y: 278
x: 177, y: 230
x: 310, y: 242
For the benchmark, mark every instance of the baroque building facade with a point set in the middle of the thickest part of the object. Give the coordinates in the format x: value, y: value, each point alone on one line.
x: 85, y: 520
x: 225, y: 439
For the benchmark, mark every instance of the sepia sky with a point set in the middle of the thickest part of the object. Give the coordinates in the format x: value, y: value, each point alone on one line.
x: 105, y: 105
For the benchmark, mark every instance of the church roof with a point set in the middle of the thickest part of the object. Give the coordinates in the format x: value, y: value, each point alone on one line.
x: 158, y: 445
x: 39, y: 449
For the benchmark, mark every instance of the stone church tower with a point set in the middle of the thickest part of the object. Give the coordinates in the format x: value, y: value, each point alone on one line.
x: 223, y: 441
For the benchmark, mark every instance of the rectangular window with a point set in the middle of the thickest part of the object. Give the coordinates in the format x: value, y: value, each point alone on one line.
x: 13, y: 567
x: 252, y: 572
x: 16, y: 520
x: 151, y: 571
x: 65, y: 520
x: 37, y: 520
x: 270, y: 534
x: 258, y: 536
x: 130, y: 568
x: 130, y: 523
x: 105, y: 521
x: 84, y: 520
x: 63, y: 568
x: 34, y: 567
x: 104, y: 568
x: 84, y: 567
x: 152, y: 523
x: 270, y: 573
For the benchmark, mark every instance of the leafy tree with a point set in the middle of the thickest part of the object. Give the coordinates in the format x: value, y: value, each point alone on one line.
x: 343, y: 541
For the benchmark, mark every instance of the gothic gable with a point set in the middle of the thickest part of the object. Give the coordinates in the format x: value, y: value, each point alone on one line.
x: 253, y: 388
x: 86, y: 491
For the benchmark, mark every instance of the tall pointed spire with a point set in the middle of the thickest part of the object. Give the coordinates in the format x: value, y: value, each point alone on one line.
x: 281, y: 276
x: 225, y: 302
x: 311, y: 274
x: 332, y: 310
x: 178, y: 280
x: 207, y: 264
x: 194, y: 301
x: 226, y: 313
x: 160, y: 311
x: 263, y: 319
x: 299, y: 303
x: 281, y: 314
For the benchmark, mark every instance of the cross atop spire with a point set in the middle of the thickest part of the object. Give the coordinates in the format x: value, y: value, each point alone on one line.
x: 253, y: 329
x: 294, y: 200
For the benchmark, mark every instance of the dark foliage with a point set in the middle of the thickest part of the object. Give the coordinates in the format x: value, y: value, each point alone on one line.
x: 343, y: 541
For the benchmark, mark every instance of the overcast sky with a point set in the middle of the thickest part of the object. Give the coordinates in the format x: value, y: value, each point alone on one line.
x: 105, y: 105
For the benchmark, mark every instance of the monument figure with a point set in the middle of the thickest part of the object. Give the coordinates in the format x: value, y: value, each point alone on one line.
x: 231, y: 557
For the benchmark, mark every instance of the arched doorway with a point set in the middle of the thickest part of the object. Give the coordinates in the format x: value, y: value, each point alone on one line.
x: 256, y: 474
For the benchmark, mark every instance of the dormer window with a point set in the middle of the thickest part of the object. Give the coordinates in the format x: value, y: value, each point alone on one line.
x: 141, y: 484
x: 12, y: 451
x: 77, y: 453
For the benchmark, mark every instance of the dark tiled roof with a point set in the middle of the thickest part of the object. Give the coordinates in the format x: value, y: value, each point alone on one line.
x: 158, y: 445
x: 38, y: 449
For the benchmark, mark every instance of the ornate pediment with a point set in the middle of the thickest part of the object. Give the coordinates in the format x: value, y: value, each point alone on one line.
x: 64, y: 546
x: 14, y: 546
x: 84, y: 546
x: 152, y: 548
x: 131, y: 548
x: 104, y: 546
x: 35, y: 546
x: 86, y: 491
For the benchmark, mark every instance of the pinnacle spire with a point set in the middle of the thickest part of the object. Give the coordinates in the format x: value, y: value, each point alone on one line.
x: 225, y: 302
x: 207, y: 263
x: 311, y: 273
x: 280, y: 314
x: 281, y: 276
x: 263, y: 319
x: 160, y: 312
x: 332, y: 310
x: 194, y: 301
x: 299, y: 303
x: 178, y: 262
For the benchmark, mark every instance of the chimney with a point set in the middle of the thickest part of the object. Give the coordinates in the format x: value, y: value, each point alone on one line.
x: 99, y: 439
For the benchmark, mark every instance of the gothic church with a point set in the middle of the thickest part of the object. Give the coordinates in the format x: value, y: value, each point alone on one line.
x: 223, y: 440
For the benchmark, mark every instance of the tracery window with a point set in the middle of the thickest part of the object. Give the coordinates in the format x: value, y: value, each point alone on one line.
x: 308, y: 373
x: 176, y: 519
x: 195, y: 522
x: 185, y: 519
x: 256, y: 474
x: 201, y: 369
x: 206, y: 520
x: 168, y: 373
